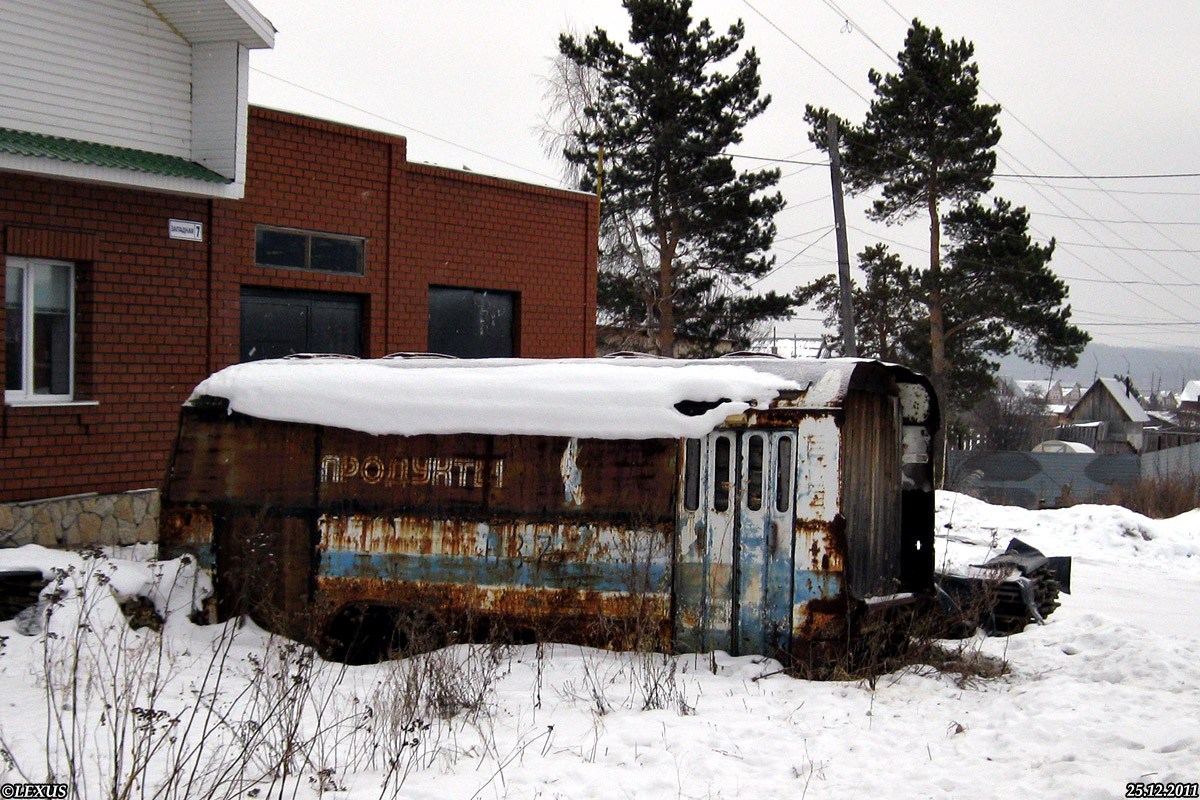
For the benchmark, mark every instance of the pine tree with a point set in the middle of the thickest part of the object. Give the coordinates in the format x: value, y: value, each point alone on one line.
x: 884, y: 309
x: 927, y: 144
x: 684, y: 234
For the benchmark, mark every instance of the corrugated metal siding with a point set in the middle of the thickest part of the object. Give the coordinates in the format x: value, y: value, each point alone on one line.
x: 871, y: 492
x: 108, y: 71
x: 1037, y: 480
x: 1173, y: 462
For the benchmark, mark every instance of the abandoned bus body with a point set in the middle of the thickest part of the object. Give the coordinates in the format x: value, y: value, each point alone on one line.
x: 747, y: 504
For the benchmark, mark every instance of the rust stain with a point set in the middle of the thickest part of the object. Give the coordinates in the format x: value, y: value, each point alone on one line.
x: 185, y: 525
x: 826, y: 544
x: 600, y: 619
x: 822, y: 618
x: 556, y: 541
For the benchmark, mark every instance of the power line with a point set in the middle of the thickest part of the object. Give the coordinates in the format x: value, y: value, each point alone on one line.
x: 802, y: 49
x: 773, y: 160
x: 1132, y: 248
x: 1148, y: 176
x: 855, y: 26
x: 391, y: 121
x: 896, y: 11
x: 793, y: 258
x: 1141, y: 324
x: 1118, y: 254
x: 1113, y: 221
x: 1110, y: 191
x: 1029, y: 175
x: 1131, y: 283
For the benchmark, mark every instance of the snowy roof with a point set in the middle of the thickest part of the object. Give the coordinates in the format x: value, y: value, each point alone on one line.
x: 1038, y: 389
x: 1190, y: 393
x: 638, y: 398
x: 1164, y: 417
x: 1060, y: 446
x: 1125, y: 399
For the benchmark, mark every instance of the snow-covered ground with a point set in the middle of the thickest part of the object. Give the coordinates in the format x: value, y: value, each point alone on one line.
x: 1106, y: 693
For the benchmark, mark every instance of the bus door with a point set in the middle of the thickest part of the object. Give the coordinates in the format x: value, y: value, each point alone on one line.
x: 733, y: 559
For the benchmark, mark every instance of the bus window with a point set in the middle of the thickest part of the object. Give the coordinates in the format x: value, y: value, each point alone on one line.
x: 721, y: 464
x: 754, y: 473
x: 783, y: 474
x: 691, y: 474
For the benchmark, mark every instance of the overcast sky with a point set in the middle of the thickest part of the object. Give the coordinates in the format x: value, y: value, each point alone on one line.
x: 1088, y: 89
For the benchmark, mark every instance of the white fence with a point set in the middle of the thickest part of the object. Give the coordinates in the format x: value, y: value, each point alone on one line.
x: 1172, y: 462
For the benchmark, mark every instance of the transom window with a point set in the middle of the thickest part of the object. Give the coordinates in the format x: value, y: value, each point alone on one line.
x: 39, y: 312
x: 309, y: 250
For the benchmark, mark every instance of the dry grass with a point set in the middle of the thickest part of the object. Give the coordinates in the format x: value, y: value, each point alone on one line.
x: 1158, y: 498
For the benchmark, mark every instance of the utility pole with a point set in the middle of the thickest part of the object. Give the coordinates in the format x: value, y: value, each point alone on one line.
x: 849, y: 347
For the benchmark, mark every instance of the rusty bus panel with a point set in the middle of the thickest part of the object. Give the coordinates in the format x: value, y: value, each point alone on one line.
x: 597, y: 619
x: 766, y: 535
x: 230, y: 458
x: 265, y: 571
x: 187, y: 529
x: 523, y: 475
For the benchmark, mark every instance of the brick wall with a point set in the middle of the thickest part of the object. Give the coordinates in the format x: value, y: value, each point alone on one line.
x: 139, y: 330
x: 154, y: 316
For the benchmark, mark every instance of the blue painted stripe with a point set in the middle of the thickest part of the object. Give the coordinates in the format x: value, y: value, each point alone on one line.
x: 497, y: 571
x: 811, y: 584
x: 203, y: 553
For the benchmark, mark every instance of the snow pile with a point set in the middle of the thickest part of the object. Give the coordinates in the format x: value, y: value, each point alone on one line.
x: 83, y: 584
x: 584, y: 398
x: 970, y: 531
x: 1101, y: 696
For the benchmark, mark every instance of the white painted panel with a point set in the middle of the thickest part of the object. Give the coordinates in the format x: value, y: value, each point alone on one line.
x: 818, y: 469
x: 109, y: 71
x: 218, y: 104
x: 206, y: 21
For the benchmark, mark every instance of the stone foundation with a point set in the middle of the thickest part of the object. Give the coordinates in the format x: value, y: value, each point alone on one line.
x: 81, y: 520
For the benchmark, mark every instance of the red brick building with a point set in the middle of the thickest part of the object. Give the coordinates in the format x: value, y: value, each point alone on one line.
x: 339, y: 245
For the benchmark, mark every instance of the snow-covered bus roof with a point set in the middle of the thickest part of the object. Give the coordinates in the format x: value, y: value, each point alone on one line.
x: 606, y: 398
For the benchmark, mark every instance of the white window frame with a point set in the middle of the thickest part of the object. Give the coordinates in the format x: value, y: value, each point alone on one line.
x: 26, y: 395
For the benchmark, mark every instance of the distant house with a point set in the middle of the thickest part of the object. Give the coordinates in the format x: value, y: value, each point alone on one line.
x: 1189, y: 406
x: 1049, y: 391
x: 1057, y: 397
x: 1108, y: 418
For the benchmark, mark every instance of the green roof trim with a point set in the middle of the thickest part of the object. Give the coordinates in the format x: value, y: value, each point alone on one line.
x: 73, y: 151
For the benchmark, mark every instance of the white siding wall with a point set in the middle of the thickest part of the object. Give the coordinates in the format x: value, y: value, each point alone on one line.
x: 219, y: 75
x: 108, y: 71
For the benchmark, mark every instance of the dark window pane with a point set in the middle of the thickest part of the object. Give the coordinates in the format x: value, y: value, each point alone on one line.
x: 721, y: 480
x: 273, y: 327
x: 754, y: 473
x: 335, y: 327
x: 783, y: 475
x: 336, y: 255
x: 52, y: 329
x: 14, y: 287
x: 495, y: 311
x: 691, y: 474
x: 280, y: 248
x: 471, y: 323
x: 276, y: 323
